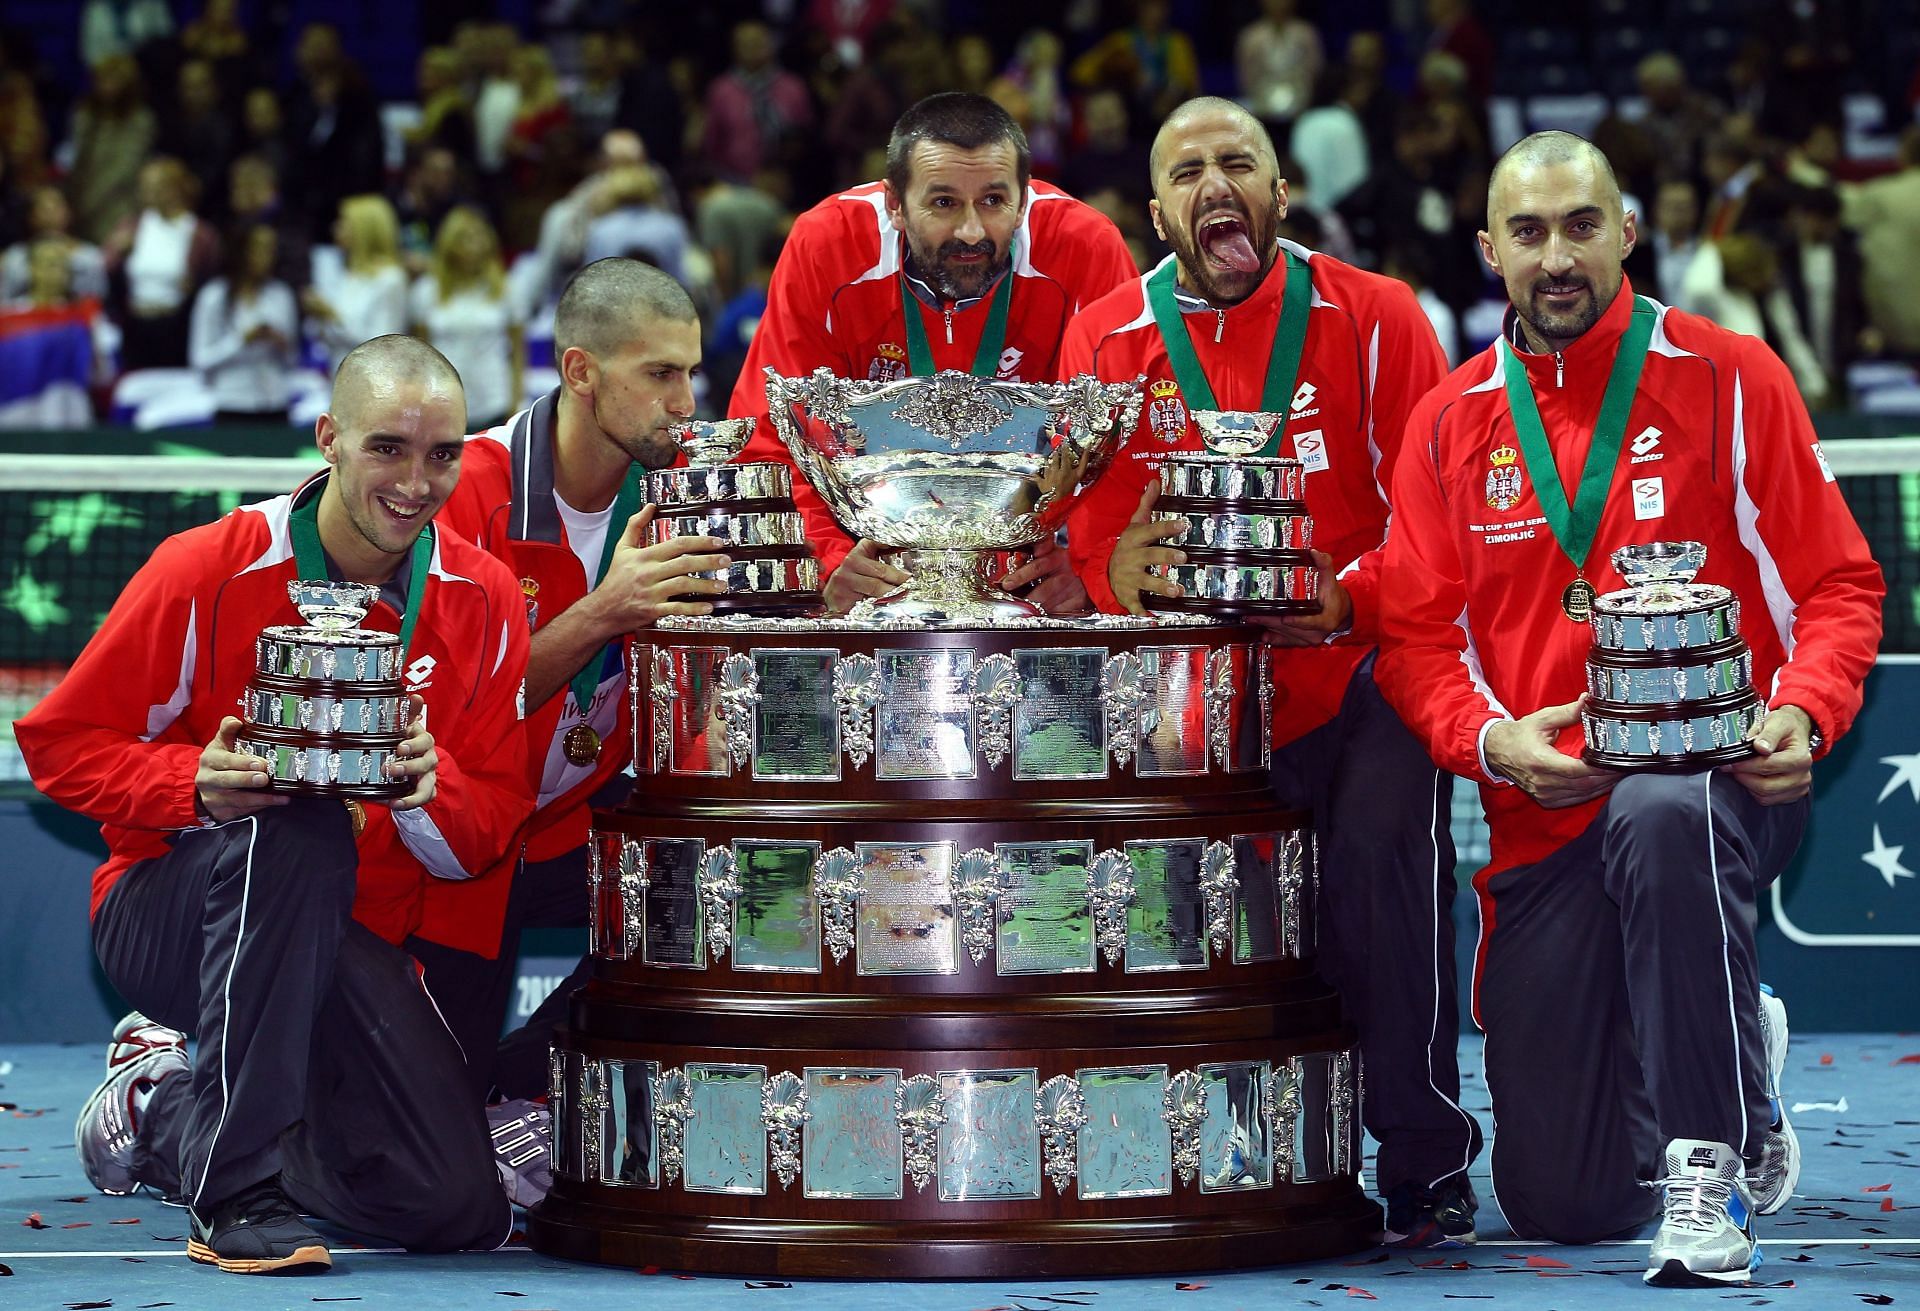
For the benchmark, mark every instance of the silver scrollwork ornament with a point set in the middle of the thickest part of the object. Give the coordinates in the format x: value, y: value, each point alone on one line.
x: 1220, y: 705
x: 672, y: 1108
x: 633, y: 894
x: 996, y: 690
x: 1342, y: 1113
x: 856, y: 691
x: 976, y: 888
x: 1220, y: 886
x: 593, y: 1115
x: 1184, y: 1107
x: 1060, y: 1111
x: 783, y: 1111
x: 1110, y: 886
x: 1123, y: 692
x: 836, y: 886
x: 739, y: 694
x: 920, y: 1108
x: 660, y: 695
x: 1283, y: 1112
x: 719, y: 889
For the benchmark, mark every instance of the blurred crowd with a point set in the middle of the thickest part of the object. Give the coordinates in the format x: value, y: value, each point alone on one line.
x: 222, y: 194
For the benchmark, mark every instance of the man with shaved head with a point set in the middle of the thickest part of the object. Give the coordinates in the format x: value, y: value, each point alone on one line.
x: 1239, y: 319
x: 558, y: 493
x: 270, y: 924
x: 1629, y: 1041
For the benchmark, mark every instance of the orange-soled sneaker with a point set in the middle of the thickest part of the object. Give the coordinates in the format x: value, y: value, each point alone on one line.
x: 256, y: 1232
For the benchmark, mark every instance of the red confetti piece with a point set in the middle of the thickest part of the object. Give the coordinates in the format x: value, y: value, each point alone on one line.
x: 34, y: 1221
x: 1911, y: 1058
x: 1826, y: 1058
x: 1188, y: 1288
x: 79, y: 1224
x: 134, y: 1221
x: 1886, y: 1204
x: 1360, y: 1292
x: 1877, y: 1188
x: 1546, y: 1263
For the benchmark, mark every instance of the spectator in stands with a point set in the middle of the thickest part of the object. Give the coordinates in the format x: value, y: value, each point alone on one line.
x: 973, y: 63
x: 217, y: 36
x: 1279, y: 59
x: 333, y: 128
x: 756, y: 110
x: 113, y: 133
x: 1330, y: 143
x: 159, y: 258
x: 1364, y: 90
x: 50, y: 219
x: 1458, y: 31
x: 367, y: 297
x: 735, y: 225
x: 542, y: 149
x: 445, y: 117
x: 23, y: 136
x: 461, y: 305
x: 1886, y: 214
x: 263, y: 128
x: 48, y: 344
x: 1735, y: 281
x: 109, y: 28
x: 1149, y: 63
x: 1659, y: 262
x: 1030, y: 89
x: 1410, y: 264
x: 434, y: 187
x: 1678, y: 117
x: 1109, y: 171
x: 633, y: 224
x: 1418, y: 201
x: 595, y: 97
x: 1821, y: 270
x: 651, y: 104
x: 488, y: 50
x: 246, y: 332
x: 253, y: 196
x: 198, y: 131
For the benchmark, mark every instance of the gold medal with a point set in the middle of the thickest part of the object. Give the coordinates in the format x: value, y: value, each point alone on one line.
x: 581, y: 745
x: 358, y: 814
x: 1577, y: 601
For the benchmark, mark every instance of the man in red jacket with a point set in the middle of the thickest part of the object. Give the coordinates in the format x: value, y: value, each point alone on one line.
x: 1209, y: 328
x: 958, y: 260
x: 558, y: 493
x: 268, y: 924
x: 1628, y: 1037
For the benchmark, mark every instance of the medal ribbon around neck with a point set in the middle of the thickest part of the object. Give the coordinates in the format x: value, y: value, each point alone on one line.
x: 311, y: 560
x: 1283, y: 364
x: 629, y: 500
x: 1574, y: 525
x: 986, y: 360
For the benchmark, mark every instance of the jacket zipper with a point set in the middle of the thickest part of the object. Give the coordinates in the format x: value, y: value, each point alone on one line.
x: 1220, y: 326
x: 1559, y: 366
x: 949, y: 313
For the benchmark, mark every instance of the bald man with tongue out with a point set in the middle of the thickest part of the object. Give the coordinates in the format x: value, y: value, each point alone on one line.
x: 1238, y: 319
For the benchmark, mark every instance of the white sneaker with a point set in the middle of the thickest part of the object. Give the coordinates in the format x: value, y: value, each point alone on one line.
x: 1706, y: 1230
x: 1778, y: 1173
x: 103, y: 1133
x: 135, y: 1036
x: 522, y: 1133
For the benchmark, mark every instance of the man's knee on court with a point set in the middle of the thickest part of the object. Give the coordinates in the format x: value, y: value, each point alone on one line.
x: 1657, y: 808
x: 308, y: 844
x: 460, y: 1215
x: 1567, y: 1209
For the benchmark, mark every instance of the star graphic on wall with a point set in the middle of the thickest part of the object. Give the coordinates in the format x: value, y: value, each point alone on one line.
x: 1886, y: 859
x: 1906, y: 769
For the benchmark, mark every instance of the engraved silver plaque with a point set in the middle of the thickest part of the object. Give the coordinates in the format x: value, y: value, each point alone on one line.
x: 1126, y: 1149
x: 783, y: 1114
x: 989, y: 1144
x: 776, y: 921
x: 836, y: 886
x: 925, y: 725
x: 919, y: 1108
x: 976, y: 887
x: 852, y: 1143
x: 726, y: 1143
x: 698, y: 744
x: 1045, y: 914
x: 718, y: 889
x: 1256, y: 912
x: 905, y: 920
x: 996, y: 690
x: 1060, y: 1112
x: 674, y: 928
x: 796, y: 726
x: 632, y: 1155
x: 1183, y: 1105
x: 1236, y: 1150
x: 1173, y: 724
x: 856, y: 691
x: 1166, y: 924
x: 1060, y: 722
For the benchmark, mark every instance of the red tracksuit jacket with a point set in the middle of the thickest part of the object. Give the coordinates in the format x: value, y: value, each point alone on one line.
x: 835, y: 302
x: 119, y: 739
x: 1369, y: 355
x: 1718, y: 449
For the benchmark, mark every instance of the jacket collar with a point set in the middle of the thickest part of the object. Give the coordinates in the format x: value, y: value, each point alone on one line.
x: 1264, y: 300
x: 1593, y: 349
x: 536, y: 514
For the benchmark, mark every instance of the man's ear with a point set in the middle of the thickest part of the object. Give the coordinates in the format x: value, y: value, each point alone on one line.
x: 1629, y: 233
x: 1488, y: 254
x: 894, y: 202
x: 579, y: 371
x: 326, y: 433
x: 1153, y: 212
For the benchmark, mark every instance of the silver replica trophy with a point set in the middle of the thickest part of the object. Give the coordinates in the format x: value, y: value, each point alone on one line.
x: 326, y: 707
x: 1248, y: 533
x: 750, y: 508
x: 948, y: 471
x: 1670, y: 679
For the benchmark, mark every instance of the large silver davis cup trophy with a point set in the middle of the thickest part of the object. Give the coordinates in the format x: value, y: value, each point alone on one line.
x: 948, y: 470
x: 1669, y: 679
x: 326, y: 708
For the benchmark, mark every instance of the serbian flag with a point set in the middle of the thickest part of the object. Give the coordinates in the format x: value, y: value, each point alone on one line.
x: 46, y: 363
